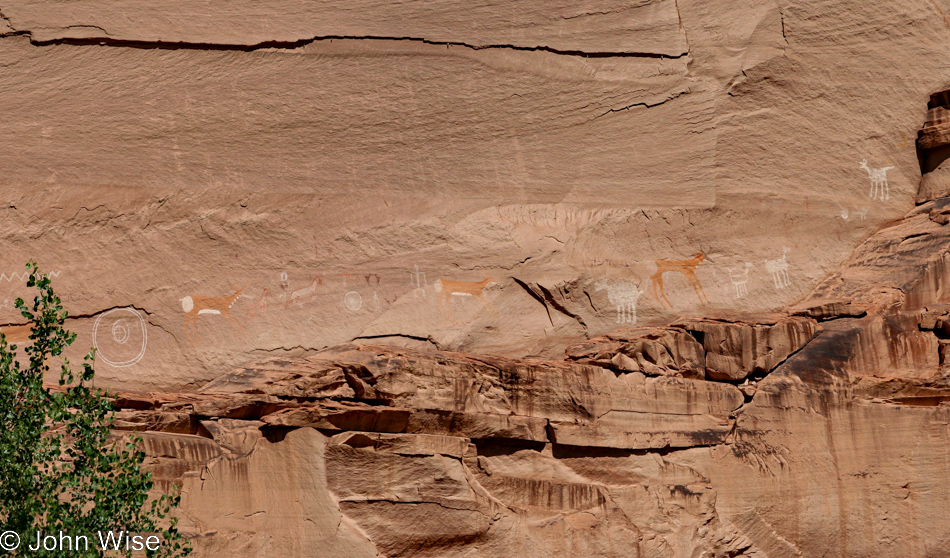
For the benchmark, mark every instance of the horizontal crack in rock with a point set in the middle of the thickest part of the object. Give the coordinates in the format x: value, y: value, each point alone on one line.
x: 182, y: 45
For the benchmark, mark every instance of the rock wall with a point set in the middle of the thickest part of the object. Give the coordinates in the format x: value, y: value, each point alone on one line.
x: 780, y: 438
x: 664, y: 278
x: 318, y: 169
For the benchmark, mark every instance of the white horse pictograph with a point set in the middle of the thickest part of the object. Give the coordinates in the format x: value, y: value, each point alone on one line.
x: 879, y: 188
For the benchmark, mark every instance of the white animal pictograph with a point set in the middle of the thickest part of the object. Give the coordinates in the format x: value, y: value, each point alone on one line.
x: 310, y: 290
x: 623, y: 295
x: 861, y: 212
x: 879, y: 188
x: 740, y: 279
x: 779, y: 270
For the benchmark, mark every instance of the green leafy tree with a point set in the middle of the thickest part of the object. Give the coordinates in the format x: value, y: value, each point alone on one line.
x: 61, y: 467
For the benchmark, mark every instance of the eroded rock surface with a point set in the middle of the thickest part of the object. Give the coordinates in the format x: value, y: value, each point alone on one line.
x: 735, y: 351
x: 638, y: 443
x: 312, y: 171
x: 652, y: 351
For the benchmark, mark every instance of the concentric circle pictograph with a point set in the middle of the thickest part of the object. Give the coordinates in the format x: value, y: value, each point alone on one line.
x: 120, y: 337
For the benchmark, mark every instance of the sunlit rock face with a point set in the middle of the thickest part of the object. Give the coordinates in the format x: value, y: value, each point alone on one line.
x: 235, y: 179
x: 834, y: 435
x: 658, y: 279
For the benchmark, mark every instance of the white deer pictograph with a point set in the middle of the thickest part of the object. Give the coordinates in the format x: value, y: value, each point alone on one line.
x: 623, y: 296
x: 779, y: 271
x: 879, y: 188
x: 740, y: 279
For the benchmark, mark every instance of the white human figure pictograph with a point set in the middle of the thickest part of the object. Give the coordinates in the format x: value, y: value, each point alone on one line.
x: 879, y: 188
x: 740, y: 279
x: 779, y: 270
x: 623, y: 295
x: 418, y: 280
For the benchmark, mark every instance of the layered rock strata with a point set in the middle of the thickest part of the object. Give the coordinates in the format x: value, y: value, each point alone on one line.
x: 780, y: 437
x: 933, y: 149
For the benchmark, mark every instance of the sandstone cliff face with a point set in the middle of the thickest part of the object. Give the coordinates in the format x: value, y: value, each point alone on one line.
x: 784, y: 437
x: 316, y: 169
x: 664, y: 278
